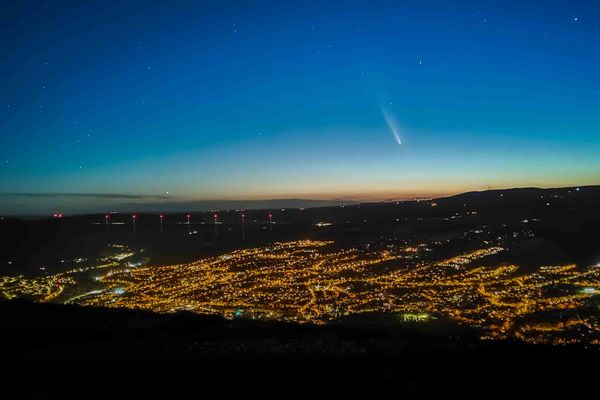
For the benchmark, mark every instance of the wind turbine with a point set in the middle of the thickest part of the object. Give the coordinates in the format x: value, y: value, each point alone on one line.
x: 216, y: 228
x: 133, y: 218
x: 243, y: 228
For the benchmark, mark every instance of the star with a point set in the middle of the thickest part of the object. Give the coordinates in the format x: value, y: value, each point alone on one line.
x: 575, y: 19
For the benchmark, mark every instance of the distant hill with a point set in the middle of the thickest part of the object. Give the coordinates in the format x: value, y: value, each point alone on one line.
x: 564, y: 221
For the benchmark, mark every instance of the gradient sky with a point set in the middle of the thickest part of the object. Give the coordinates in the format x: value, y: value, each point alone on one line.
x: 257, y: 100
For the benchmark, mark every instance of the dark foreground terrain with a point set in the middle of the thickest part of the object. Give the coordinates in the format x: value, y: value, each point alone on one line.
x: 57, y: 351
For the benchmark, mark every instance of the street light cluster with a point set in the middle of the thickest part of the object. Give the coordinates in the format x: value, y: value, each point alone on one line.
x: 306, y: 281
x: 309, y: 282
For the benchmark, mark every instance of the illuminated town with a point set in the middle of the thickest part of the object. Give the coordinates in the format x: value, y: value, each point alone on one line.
x: 308, y: 281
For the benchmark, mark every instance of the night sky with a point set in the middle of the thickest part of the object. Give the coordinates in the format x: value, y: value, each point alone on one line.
x: 104, y: 103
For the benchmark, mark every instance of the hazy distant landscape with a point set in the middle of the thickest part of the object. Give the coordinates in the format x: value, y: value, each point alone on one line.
x: 519, y: 263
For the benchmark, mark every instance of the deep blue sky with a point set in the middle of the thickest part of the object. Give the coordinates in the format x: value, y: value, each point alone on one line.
x: 256, y: 100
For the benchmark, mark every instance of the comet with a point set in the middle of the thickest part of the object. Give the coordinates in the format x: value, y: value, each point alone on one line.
x: 392, y: 125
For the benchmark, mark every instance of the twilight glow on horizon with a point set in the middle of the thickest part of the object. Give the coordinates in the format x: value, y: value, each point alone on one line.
x: 363, y: 100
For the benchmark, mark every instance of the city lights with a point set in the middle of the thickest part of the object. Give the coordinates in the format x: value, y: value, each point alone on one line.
x: 309, y: 282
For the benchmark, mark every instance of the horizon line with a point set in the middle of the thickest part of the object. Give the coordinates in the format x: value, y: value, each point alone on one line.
x: 225, y: 200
